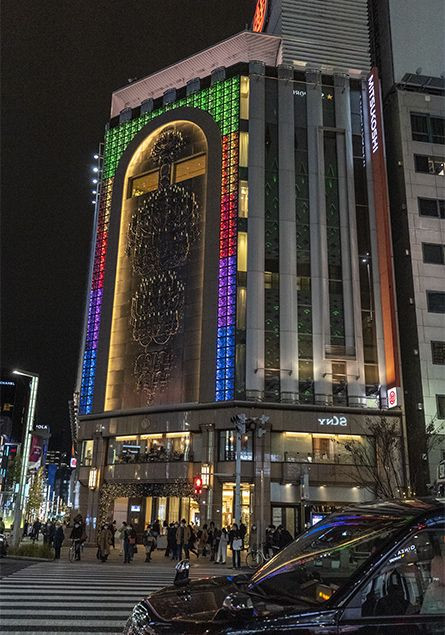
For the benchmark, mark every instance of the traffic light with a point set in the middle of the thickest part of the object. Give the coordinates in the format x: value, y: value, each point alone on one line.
x: 239, y: 422
x: 197, y: 484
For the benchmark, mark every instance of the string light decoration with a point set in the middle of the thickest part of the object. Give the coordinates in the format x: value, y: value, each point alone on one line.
x: 152, y: 371
x: 157, y: 309
x: 160, y: 235
x: 222, y: 102
x: 110, y: 491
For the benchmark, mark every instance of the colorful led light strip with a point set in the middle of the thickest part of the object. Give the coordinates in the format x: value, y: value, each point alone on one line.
x: 221, y: 101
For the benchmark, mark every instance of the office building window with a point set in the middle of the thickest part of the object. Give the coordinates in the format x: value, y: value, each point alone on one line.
x: 429, y: 165
x: 440, y: 401
x: 438, y: 352
x: 432, y: 207
x: 427, y: 128
x: 436, y: 301
x: 433, y: 253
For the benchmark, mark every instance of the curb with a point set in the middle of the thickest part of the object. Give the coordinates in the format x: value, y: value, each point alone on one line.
x: 28, y: 558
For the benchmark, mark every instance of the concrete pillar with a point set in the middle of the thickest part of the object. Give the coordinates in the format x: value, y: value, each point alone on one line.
x: 288, y: 264
x: 349, y: 246
x: 255, y: 237
x: 319, y: 262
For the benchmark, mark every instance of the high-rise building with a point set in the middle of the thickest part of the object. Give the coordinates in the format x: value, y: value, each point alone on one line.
x: 408, y: 46
x: 242, y: 264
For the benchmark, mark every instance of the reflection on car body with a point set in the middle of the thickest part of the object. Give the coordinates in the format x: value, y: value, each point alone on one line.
x: 374, y: 568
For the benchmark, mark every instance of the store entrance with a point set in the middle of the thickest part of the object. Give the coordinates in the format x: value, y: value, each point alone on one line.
x: 288, y: 516
x: 228, y: 504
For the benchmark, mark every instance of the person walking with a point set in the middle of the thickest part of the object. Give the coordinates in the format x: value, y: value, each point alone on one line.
x: 191, y: 541
x: 2, y: 526
x: 236, y: 544
x: 202, y: 544
x: 59, y: 537
x: 104, y: 540
x: 149, y: 542
x: 171, y: 541
x: 156, y: 529
x: 36, y: 530
x: 113, y: 529
x: 76, y: 535
x: 221, y: 554
x: 129, y: 544
x: 182, y: 538
x: 253, y: 538
x: 243, y: 532
x: 122, y: 531
x: 51, y: 532
x: 211, y: 540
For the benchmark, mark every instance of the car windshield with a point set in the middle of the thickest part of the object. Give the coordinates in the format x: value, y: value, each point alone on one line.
x: 320, y: 561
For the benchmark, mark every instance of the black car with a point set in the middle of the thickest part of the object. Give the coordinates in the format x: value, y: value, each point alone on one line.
x: 376, y: 568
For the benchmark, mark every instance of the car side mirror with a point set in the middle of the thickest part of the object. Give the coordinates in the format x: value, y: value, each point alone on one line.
x: 182, y: 573
x: 239, y: 604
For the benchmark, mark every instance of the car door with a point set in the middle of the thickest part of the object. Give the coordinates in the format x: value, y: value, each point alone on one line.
x: 406, y: 596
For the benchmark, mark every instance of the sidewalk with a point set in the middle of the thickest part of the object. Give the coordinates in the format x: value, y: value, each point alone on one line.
x: 158, y: 558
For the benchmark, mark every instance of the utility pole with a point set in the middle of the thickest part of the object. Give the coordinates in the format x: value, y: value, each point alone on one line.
x: 240, y: 429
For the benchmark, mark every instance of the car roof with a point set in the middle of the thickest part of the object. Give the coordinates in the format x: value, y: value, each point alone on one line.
x: 404, y: 507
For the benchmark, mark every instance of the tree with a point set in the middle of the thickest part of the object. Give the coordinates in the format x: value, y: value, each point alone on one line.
x: 378, y: 465
x: 35, y: 497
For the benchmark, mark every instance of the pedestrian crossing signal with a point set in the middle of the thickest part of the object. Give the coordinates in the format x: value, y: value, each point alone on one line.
x: 197, y: 484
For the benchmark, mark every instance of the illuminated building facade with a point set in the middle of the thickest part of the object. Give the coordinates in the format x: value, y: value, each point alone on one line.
x: 238, y: 267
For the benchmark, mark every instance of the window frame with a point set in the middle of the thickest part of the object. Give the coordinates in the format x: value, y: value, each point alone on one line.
x: 433, y: 246
x: 429, y: 294
x: 440, y: 412
x: 432, y: 161
x: 439, y: 207
x: 440, y: 354
x: 223, y: 453
x: 429, y: 135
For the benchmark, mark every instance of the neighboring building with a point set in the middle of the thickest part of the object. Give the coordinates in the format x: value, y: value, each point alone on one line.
x: 240, y: 266
x: 409, y: 49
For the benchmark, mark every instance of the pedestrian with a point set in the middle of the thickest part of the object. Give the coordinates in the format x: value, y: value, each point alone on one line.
x: 122, y: 531
x: 51, y: 532
x: 113, y: 528
x: 156, y: 528
x: 25, y: 529
x: 104, y: 540
x: 192, y: 541
x: 243, y: 532
x: 149, y: 542
x: 171, y: 541
x: 182, y: 539
x: 2, y: 526
x: 129, y: 543
x: 269, y: 541
x: 58, y: 539
x: 285, y: 538
x: 36, y: 530
x: 221, y: 554
x: 211, y: 540
x: 44, y: 530
x: 253, y: 538
x: 236, y: 544
x: 202, y: 544
x: 76, y: 537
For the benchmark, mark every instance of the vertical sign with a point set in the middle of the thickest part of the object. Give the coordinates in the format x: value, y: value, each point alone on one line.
x: 381, y: 202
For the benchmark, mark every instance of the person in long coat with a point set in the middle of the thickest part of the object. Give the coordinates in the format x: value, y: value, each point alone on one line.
x: 104, y: 540
x: 58, y: 539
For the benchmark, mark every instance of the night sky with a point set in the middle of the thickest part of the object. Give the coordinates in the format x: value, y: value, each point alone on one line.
x: 60, y: 63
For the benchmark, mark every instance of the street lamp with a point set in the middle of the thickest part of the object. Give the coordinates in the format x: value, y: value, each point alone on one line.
x: 25, y: 452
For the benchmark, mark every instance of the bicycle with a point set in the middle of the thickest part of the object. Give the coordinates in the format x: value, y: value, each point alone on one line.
x: 255, y: 558
x: 75, y: 548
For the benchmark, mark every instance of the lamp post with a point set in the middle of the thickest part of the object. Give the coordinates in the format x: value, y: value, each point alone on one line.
x: 18, y: 510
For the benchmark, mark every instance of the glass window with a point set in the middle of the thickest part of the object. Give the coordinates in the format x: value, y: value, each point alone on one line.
x: 86, y: 456
x: 190, y: 168
x: 410, y: 582
x: 437, y: 129
x: 440, y: 401
x: 321, y: 561
x: 428, y: 129
x: 419, y: 127
x: 243, y: 149
x: 431, y: 207
x: 145, y: 183
x: 429, y: 165
x: 438, y: 352
x: 436, y: 301
x: 242, y: 251
x: 244, y: 98
x: 227, y: 446
x: 433, y: 253
x: 243, y: 199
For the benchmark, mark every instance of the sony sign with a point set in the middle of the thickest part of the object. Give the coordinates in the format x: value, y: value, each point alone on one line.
x: 333, y: 421
x: 373, y: 114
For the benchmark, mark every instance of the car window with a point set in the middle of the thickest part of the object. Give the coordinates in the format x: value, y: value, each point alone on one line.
x: 412, y: 580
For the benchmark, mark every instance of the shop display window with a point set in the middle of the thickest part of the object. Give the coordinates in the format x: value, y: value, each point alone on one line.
x: 227, y: 446
x: 86, y: 456
x: 148, y: 448
x: 301, y: 447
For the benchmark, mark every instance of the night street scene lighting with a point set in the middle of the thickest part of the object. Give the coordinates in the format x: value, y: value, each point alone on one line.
x: 237, y: 416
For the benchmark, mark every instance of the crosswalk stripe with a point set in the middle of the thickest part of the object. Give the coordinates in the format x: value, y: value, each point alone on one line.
x: 87, y: 597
